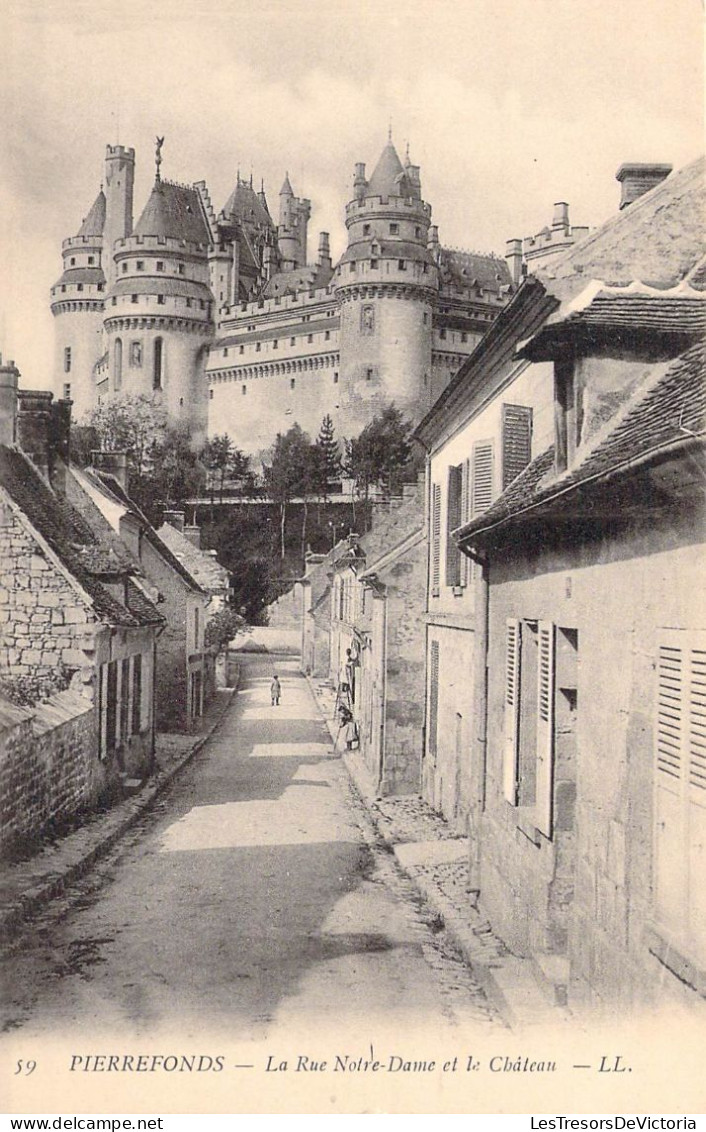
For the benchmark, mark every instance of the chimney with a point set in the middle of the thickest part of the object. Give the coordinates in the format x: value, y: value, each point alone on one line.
x: 636, y: 179
x: 560, y: 218
x: 34, y: 410
x: 175, y: 519
x: 433, y: 237
x: 9, y: 376
x: 324, y: 259
x: 513, y: 256
x: 193, y: 533
x: 113, y: 464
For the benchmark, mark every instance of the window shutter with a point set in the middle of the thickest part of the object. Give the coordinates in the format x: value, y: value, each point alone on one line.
x: 433, y: 697
x: 697, y: 796
x: 517, y: 441
x: 513, y: 660
x: 483, y: 476
x: 670, y: 860
x: 453, y: 520
x: 436, y: 540
x: 466, y: 564
x: 545, y: 728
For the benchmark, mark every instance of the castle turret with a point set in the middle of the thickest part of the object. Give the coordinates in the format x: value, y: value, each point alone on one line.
x: 386, y: 282
x: 119, y: 185
x: 159, y: 310
x: 77, y: 301
x: 294, y: 213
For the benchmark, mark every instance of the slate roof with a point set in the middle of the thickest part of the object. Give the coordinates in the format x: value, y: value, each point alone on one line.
x: 245, y: 205
x: 161, y: 285
x: 141, y: 606
x: 387, y: 175
x: 390, y: 249
x: 173, y: 212
x: 289, y: 282
x: 67, y: 533
x: 94, y: 223
x: 669, y: 412
x: 463, y: 269
x: 207, y: 571
x: 90, y: 275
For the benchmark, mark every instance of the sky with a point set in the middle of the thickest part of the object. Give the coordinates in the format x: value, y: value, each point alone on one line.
x: 507, y: 105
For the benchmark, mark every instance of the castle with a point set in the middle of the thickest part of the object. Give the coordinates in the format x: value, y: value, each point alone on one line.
x: 222, y: 318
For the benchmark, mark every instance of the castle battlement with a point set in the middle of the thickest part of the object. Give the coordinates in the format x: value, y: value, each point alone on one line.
x: 374, y: 204
x: 120, y: 151
x: 303, y: 298
x: 82, y: 242
x: 160, y: 243
x: 552, y: 237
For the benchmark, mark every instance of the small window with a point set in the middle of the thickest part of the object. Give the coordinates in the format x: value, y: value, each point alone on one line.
x: 67, y: 359
x: 134, y: 298
x: 401, y: 265
x: 101, y: 286
x: 369, y: 374
x: 310, y: 337
x: 160, y: 300
x: 366, y: 229
x: 124, y: 268
x: 335, y: 379
x: 210, y: 394
x: 464, y: 337
x: 73, y: 261
x: 241, y: 349
x: 80, y: 287
x: 244, y: 389
x: 140, y: 265
x: 394, y: 229
x: 114, y: 301
x: 67, y: 391
x: 160, y: 265
x: 418, y: 232
x: 353, y: 267
x: 292, y: 341
x: 188, y: 302
x: 327, y: 335
x: 63, y: 287
x: 275, y: 344
x: 257, y: 347
x: 181, y: 269
x: 442, y: 335
x: 292, y: 382
x: 91, y: 259
x: 373, y: 263
x: 225, y: 352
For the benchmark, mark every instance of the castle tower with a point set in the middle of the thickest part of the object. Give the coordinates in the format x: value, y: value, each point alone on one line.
x: 386, y: 282
x: 294, y: 213
x: 159, y: 310
x: 77, y: 302
x: 119, y: 185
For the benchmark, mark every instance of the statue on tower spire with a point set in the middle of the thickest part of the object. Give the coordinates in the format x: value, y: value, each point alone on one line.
x: 158, y: 157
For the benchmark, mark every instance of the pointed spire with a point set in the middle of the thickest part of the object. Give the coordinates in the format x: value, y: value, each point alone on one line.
x: 159, y: 142
x: 389, y: 130
x: 286, y: 190
x: 407, y: 160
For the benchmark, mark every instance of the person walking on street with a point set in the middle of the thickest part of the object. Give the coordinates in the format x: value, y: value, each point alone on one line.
x: 275, y: 691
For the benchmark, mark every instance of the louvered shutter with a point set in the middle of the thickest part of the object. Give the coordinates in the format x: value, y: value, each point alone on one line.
x: 436, y: 540
x: 466, y: 564
x: 545, y: 728
x: 433, y: 697
x: 482, y: 488
x: 453, y: 521
x: 513, y: 661
x: 680, y: 788
x: 516, y: 441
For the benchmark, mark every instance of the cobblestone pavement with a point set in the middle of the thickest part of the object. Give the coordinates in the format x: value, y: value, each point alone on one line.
x: 256, y: 894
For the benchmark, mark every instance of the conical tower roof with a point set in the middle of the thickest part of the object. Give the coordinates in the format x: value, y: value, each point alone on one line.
x: 247, y: 206
x: 94, y: 223
x: 386, y: 175
x: 286, y: 190
x: 173, y: 212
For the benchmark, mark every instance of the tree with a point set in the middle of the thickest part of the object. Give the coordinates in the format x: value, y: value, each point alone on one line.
x: 131, y: 424
x: 381, y: 454
x: 222, y: 628
x: 329, y: 454
x: 287, y: 474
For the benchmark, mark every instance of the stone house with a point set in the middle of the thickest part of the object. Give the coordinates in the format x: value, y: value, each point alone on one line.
x: 589, y: 846
x: 185, y: 544
x: 377, y: 641
x: 181, y: 660
x: 75, y: 621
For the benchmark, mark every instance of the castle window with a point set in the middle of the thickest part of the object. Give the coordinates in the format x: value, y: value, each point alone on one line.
x: 418, y: 232
x: 327, y: 335
x: 90, y: 259
x: 124, y: 268
x: 188, y: 302
x: 63, y: 287
x: 241, y: 349
x: 225, y: 352
x: 210, y: 394
x: 425, y: 318
x: 67, y: 391
x: 442, y: 334
x: 160, y: 300
x: 373, y: 263
x: 369, y: 374
x: 310, y: 337
x: 353, y: 267
x: 67, y: 359
x: 394, y: 229
x: 158, y: 362
x: 335, y: 379
x: 425, y: 268
x: 101, y: 286
x: 245, y: 389
x: 258, y: 347
x: 160, y: 265
x: 118, y: 364
x: 80, y: 287
x: 275, y: 344
x: 366, y: 229
x: 292, y: 341
x: 181, y: 269
x: 401, y: 265
x: 367, y: 320
x: 114, y: 301
x: 464, y: 337
x: 73, y: 261
x: 292, y: 382
x: 134, y: 298
x: 140, y: 265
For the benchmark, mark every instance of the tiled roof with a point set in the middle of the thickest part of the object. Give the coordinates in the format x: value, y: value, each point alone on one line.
x: 66, y: 532
x: 464, y: 269
x: 94, y: 223
x: 671, y: 411
x: 622, y: 316
x: 150, y: 533
x: 207, y: 571
x: 173, y: 212
x: 140, y: 604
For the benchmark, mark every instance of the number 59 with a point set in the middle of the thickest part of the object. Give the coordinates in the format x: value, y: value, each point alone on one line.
x: 25, y: 1067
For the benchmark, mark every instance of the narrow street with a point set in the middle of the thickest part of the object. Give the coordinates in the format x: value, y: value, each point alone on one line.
x: 253, y: 898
